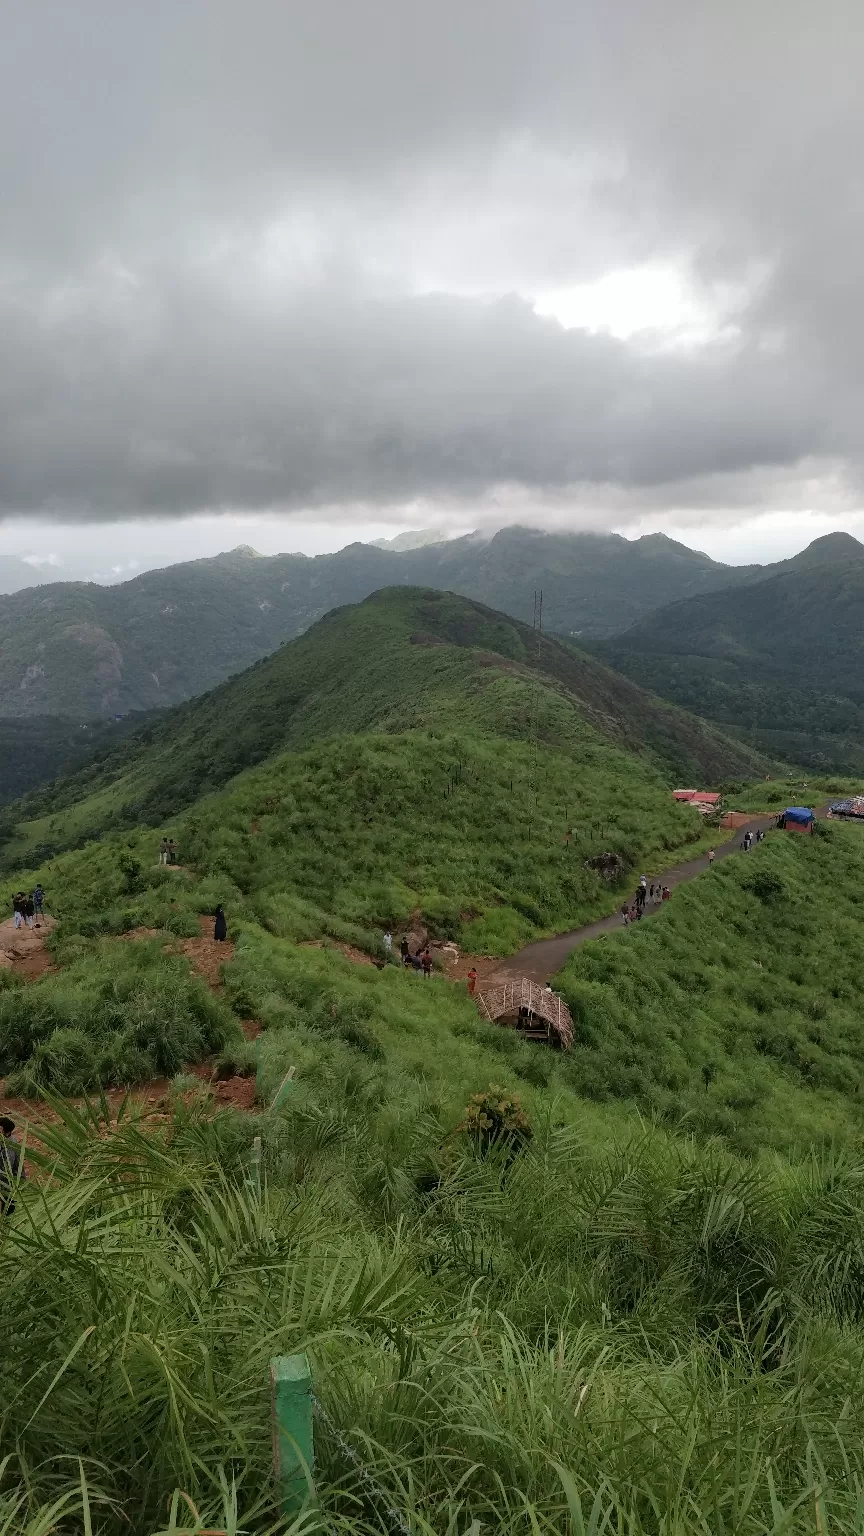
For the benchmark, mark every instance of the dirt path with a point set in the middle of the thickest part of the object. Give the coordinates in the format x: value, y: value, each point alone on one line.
x: 23, y: 951
x: 541, y: 960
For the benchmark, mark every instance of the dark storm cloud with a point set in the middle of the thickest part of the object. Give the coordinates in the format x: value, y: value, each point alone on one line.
x: 211, y: 216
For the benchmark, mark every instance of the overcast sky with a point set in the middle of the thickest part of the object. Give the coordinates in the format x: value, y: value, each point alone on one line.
x: 290, y: 273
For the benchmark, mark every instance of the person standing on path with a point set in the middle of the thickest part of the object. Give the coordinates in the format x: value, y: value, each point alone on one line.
x: 39, y: 903
x: 625, y: 914
x: 17, y: 911
x: 172, y: 851
x: 426, y: 962
x: 711, y: 857
x: 404, y: 949
x: 163, y: 851
x: 220, y: 927
x: 387, y: 941
x: 472, y: 982
x: 29, y: 911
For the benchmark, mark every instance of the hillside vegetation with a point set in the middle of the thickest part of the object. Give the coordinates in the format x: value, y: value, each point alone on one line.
x: 83, y: 650
x: 780, y: 661
x: 601, y: 1321
x: 739, y: 1005
x: 612, y: 1289
x: 403, y: 661
x: 37, y: 749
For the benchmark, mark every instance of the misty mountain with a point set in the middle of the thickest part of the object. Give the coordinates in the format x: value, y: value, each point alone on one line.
x: 88, y: 651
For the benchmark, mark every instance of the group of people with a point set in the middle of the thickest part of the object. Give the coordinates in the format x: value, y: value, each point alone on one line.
x: 29, y: 909
x: 750, y: 838
x: 646, y: 895
x: 167, y: 851
x: 420, y: 961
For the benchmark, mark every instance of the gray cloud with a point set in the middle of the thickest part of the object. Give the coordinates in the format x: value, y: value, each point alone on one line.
x: 214, y: 218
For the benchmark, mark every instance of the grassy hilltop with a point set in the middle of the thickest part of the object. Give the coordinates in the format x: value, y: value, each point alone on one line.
x: 401, y: 662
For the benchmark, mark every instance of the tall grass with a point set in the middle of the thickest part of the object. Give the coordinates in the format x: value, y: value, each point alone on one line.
x: 116, y: 1014
x: 658, y: 1339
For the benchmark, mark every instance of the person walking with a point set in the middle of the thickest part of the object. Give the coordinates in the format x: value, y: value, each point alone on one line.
x: 640, y: 897
x: 29, y: 911
x: 172, y: 851
x: 163, y: 851
x: 404, y: 949
x: 711, y: 857
x: 387, y: 941
x: 39, y: 903
x: 17, y: 910
x: 220, y: 926
x: 666, y: 893
x: 625, y: 914
x: 426, y: 962
x: 472, y: 981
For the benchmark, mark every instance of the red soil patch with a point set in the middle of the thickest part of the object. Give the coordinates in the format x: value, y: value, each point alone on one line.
x: 23, y: 951
x: 207, y: 955
x: 736, y: 819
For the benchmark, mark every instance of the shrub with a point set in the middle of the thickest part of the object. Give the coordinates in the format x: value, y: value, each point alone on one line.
x: 496, y: 1117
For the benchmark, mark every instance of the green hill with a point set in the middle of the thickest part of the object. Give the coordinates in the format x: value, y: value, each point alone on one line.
x: 780, y: 661
x: 84, y: 650
x: 404, y: 660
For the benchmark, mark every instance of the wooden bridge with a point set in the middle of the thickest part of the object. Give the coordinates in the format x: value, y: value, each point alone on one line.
x: 530, y: 1008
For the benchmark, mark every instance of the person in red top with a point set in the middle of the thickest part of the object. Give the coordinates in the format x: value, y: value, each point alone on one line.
x: 472, y: 982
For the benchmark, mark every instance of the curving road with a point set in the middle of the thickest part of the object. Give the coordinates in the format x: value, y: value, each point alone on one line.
x: 541, y: 960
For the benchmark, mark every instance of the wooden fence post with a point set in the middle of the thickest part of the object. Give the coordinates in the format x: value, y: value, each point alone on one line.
x: 291, y: 1414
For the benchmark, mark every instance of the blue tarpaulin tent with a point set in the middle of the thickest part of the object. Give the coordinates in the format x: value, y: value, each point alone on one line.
x: 800, y: 815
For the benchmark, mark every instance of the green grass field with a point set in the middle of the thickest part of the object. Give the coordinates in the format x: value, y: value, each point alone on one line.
x: 638, y: 1312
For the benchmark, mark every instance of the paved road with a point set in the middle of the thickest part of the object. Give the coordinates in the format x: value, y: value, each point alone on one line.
x: 541, y: 960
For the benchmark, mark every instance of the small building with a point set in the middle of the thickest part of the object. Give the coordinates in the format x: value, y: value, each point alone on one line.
x: 535, y: 1011
x: 798, y: 818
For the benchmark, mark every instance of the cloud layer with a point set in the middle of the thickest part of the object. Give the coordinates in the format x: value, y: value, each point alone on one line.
x: 273, y: 255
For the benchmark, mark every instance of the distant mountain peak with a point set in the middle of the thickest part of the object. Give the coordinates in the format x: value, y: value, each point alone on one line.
x: 830, y: 547
x: 415, y: 538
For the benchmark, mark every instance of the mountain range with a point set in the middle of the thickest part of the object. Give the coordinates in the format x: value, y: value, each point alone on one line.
x: 404, y: 660
x: 699, y: 633
x: 88, y: 651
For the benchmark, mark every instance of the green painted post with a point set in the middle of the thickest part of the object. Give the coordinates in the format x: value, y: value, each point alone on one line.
x: 284, y: 1088
x: 293, y: 1450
